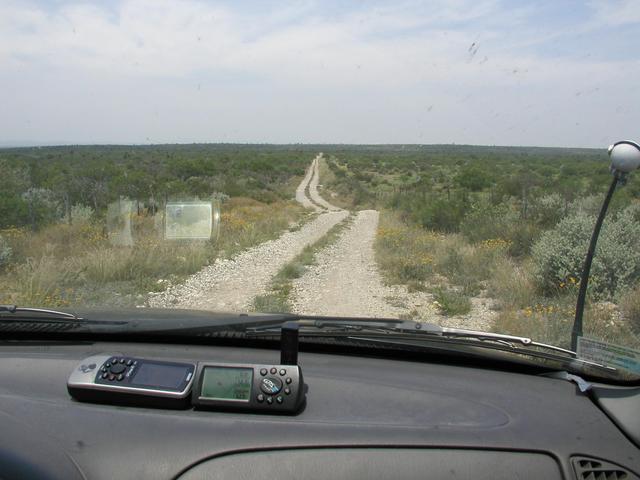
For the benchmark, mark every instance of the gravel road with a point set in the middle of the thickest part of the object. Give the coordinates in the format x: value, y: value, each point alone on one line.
x: 232, y: 284
x: 343, y: 281
x: 301, y: 196
x: 313, y: 186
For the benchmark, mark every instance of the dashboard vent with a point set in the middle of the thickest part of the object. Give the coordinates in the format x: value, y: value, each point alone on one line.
x: 592, y: 469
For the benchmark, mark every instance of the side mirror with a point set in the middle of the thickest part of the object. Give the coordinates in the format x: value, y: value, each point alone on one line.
x: 625, y: 156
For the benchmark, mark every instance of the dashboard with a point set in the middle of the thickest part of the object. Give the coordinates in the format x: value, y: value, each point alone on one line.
x: 363, y: 418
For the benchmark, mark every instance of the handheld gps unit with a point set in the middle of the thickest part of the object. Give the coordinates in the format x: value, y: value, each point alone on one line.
x: 264, y: 388
x: 122, y: 379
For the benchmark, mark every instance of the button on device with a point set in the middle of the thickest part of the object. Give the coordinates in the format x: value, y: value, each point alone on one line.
x: 271, y: 385
x: 118, y: 368
x: 105, y: 375
x: 122, y: 360
x: 107, y: 365
x: 273, y: 370
x: 114, y: 360
x: 263, y: 371
x: 288, y: 380
x: 283, y: 372
x: 260, y: 398
x: 120, y: 377
x: 112, y: 378
x: 104, y: 369
x: 279, y: 399
x: 287, y: 391
x: 269, y: 400
x: 129, y: 362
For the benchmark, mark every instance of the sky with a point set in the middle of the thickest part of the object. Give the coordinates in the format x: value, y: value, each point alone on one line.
x: 485, y: 72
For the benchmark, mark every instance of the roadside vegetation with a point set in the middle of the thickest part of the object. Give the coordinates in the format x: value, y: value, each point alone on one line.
x: 511, y: 225
x: 55, y: 248
x: 62, y: 265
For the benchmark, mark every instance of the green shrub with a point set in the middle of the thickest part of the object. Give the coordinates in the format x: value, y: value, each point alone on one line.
x: 559, y: 254
x: 485, y: 221
x: 441, y: 215
x: 81, y: 214
x: 547, y: 210
x: 451, y: 302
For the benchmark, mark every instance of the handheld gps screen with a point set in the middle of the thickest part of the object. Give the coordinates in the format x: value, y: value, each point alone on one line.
x: 227, y: 383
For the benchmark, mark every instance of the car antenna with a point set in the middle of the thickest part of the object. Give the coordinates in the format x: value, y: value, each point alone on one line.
x: 625, y: 157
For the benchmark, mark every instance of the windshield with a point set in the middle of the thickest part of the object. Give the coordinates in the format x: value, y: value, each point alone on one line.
x: 441, y: 162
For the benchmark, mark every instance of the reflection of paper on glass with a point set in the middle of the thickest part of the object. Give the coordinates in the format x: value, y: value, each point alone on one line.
x: 188, y: 220
x: 609, y: 354
x: 119, y: 223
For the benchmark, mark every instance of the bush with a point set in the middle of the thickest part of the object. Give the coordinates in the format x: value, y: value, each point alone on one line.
x: 486, y: 221
x: 42, y: 206
x: 546, y: 211
x: 559, y: 254
x: 81, y: 214
x: 451, y: 302
x: 441, y: 215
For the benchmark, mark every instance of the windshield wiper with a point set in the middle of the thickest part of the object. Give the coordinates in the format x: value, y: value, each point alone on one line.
x: 409, y: 333
x: 14, y: 309
x: 382, y: 329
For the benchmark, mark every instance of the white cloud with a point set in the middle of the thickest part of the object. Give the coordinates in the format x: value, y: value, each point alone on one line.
x: 193, y: 71
x: 615, y: 13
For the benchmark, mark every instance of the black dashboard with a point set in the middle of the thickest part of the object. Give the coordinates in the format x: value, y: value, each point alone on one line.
x: 364, y: 418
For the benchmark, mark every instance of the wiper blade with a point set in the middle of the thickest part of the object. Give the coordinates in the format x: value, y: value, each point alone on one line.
x: 383, y: 327
x: 14, y: 309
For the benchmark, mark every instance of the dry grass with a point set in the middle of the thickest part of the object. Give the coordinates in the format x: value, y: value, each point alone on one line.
x: 630, y: 308
x: 408, y: 254
x: 59, y: 264
x: 512, y: 284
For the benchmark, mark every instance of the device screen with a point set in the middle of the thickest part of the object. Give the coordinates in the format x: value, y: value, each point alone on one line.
x: 227, y: 383
x: 162, y: 376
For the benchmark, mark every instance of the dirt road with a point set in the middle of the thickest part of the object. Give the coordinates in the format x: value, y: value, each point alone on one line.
x: 344, y: 279
x: 232, y: 284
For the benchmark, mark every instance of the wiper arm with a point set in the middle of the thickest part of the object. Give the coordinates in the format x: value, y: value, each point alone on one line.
x: 508, y: 340
x: 14, y: 309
